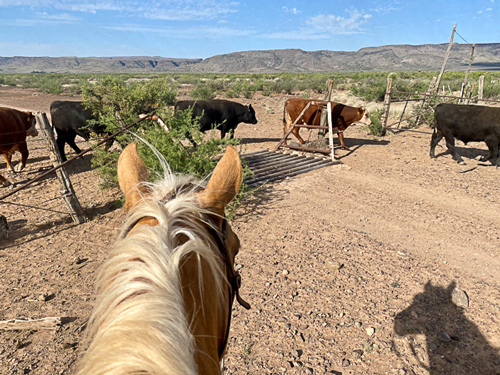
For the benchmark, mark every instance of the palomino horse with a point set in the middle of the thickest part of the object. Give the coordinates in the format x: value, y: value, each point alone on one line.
x: 164, y: 296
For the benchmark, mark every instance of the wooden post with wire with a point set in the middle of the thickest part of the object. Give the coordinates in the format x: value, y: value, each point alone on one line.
x: 387, y: 105
x: 67, y: 192
x: 445, y: 58
x: 462, y: 91
x: 431, y: 87
x: 330, y: 128
x: 328, y: 98
x: 480, y: 89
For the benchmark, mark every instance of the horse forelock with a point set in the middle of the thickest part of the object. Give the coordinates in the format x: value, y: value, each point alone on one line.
x: 139, y: 297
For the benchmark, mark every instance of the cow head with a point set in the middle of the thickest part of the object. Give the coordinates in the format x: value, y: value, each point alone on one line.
x: 31, y: 124
x: 363, y: 117
x: 250, y: 116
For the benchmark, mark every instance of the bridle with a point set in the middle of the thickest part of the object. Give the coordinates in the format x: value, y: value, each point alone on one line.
x: 233, y: 278
x: 221, y: 239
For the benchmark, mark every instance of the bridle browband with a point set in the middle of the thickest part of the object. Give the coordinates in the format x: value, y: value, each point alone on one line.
x: 220, y: 236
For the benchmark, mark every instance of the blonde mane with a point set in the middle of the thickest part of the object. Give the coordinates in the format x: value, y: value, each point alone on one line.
x: 139, y: 323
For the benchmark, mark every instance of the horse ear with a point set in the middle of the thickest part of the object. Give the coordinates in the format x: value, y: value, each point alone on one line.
x: 224, y: 183
x: 131, y: 172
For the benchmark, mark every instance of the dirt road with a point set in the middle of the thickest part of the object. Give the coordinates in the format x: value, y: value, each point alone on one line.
x: 349, y: 269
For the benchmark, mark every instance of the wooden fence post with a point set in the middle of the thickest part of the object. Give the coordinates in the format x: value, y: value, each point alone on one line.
x: 68, y: 194
x: 446, y: 58
x: 328, y: 97
x: 387, y: 105
x: 462, y: 92
x: 480, y: 89
x: 431, y: 87
x: 330, y: 128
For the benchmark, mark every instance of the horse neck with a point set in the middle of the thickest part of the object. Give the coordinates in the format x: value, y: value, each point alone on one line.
x: 208, y: 316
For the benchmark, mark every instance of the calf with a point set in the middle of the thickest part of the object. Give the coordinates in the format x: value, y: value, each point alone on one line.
x: 342, y: 116
x: 468, y: 123
x: 225, y: 115
x: 15, y: 126
x: 71, y: 119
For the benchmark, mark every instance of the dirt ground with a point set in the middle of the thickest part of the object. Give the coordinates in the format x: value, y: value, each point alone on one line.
x: 349, y: 269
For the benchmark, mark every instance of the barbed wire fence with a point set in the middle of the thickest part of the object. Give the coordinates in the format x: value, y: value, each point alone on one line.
x: 39, y: 196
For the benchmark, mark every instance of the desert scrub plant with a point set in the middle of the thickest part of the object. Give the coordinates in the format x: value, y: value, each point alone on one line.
x: 370, y: 88
x: 108, y: 96
x: 203, y: 91
x: 376, y: 128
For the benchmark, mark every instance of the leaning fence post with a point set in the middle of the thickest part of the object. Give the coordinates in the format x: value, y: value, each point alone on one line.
x: 68, y: 194
x: 431, y: 87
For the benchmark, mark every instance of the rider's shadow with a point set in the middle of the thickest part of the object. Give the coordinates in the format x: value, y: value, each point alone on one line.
x: 454, y: 343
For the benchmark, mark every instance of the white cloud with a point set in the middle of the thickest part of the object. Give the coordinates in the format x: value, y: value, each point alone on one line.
x: 62, y: 18
x: 292, y: 10
x: 489, y: 9
x: 204, y: 32
x: 149, y: 9
x: 324, y: 26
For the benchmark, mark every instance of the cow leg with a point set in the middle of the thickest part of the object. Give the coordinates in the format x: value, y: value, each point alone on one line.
x: 341, y: 139
x: 493, y: 144
x: 450, y: 143
x: 437, y: 135
x: 108, y: 143
x: 4, y: 182
x: 8, y: 160
x: 295, y: 132
x: 71, y: 142
x: 61, y: 142
x: 23, y: 149
x: 190, y: 139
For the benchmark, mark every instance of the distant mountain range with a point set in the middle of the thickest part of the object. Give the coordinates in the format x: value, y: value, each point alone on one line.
x: 426, y: 57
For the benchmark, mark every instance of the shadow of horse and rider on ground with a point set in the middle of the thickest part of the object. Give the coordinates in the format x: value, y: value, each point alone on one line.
x: 454, y: 344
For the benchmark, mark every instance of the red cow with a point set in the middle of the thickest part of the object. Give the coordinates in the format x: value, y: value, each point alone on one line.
x: 342, y: 116
x: 14, y: 127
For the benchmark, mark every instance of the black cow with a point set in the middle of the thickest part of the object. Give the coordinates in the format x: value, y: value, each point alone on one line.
x: 468, y: 123
x: 70, y: 119
x: 222, y: 114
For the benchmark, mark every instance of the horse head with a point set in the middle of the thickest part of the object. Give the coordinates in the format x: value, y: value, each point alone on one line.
x: 165, y: 294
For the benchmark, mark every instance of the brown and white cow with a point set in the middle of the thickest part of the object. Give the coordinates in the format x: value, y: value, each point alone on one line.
x: 342, y: 116
x: 14, y: 127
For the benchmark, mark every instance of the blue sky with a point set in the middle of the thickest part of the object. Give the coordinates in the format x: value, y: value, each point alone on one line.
x: 204, y: 28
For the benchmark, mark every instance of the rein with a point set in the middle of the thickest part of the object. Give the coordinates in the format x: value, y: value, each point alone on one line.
x: 233, y: 278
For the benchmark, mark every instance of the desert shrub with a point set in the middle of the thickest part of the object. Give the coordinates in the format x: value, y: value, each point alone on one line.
x: 203, y: 91
x: 244, y: 89
x: 109, y: 95
x: 491, y: 89
x: 376, y: 127
x: 370, y: 88
x: 49, y: 84
x: 282, y: 86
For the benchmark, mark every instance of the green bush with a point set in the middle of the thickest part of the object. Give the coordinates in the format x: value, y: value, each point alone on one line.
x: 376, y: 127
x: 110, y: 95
x: 371, y: 88
x: 203, y: 91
